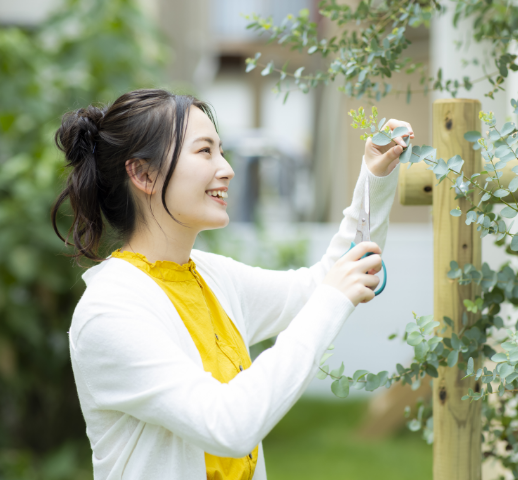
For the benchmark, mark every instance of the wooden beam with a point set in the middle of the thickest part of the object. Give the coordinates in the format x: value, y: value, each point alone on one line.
x: 457, y: 423
x: 416, y: 183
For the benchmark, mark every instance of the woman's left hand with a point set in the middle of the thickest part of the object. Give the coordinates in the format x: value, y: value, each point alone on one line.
x: 382, y: 160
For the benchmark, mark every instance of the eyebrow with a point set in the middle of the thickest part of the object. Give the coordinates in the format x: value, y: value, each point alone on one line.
x: 206, y: 139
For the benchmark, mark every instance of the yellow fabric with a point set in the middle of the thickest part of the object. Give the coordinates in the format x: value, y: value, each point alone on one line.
x: 221, y: 347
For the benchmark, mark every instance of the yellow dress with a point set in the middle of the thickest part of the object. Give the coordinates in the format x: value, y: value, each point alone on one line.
x: 221, y: 347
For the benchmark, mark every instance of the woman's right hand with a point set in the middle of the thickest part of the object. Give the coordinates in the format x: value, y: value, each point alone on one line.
x: 355, y: 276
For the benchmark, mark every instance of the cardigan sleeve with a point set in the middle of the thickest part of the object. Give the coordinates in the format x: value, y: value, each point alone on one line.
x: 130, y: 364
x: 271, y: 299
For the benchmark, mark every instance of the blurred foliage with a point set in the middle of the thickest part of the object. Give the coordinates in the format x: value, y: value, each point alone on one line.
x: 87, y: 51
x: 370, y: 38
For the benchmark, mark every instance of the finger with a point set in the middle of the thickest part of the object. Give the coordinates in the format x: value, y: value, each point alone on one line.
x: 375, y: 270
x: 410, y: 129
x: 360, y: 250
x: 400, y: 141
x: 393, y: 124
x: 372, y: 262
x: 368, y: 296
x: 370, y: 281
x: 393, y: 153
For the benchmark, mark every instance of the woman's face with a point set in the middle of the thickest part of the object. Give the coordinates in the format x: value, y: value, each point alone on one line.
x: 201, y: 171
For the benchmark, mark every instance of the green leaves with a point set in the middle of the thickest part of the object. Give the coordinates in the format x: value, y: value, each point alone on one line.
x: 322, y: 372
x: 456, y: 212
x: 406, y: 156
x: 505, y: 370
x: 251, y: 63
x: 499, y: 357
x: 453, y: 357
x: 268, y: 69
x: 381, y: 139
x: 508, y: 212
x: 373, y: 382
x: 469, y: 371
x: 472, y: 136
x: 455, y: 163
x: 341, y: 387
x: 359, y: 374
x: 399, y: 132
x: 508, y: 128
x: 337, y: 373
x: 500, y: 193
x: 325, y: 357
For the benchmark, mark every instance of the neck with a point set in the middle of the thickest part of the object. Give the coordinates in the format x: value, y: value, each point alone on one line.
x: 155, y: 244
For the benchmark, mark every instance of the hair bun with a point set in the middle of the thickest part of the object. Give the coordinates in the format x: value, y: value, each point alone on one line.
x: 78, y: 133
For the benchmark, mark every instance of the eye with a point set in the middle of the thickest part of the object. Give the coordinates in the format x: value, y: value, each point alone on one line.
x: 206, y: 149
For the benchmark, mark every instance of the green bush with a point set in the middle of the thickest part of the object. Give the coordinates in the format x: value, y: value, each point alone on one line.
x: 86, y: 52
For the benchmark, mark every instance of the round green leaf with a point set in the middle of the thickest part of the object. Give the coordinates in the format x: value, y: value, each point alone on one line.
x: 373, y: 382
x: 414, y: 339
x: 506, y: 370
x: 381, y: 139
x: 499, y: 357
x: 452, y: 358
x: 500, y: 193
x: 472, y: 136
x: 407, y: 155
x: 399, y: 132
x: 341, y: 387
x: 508, y: 212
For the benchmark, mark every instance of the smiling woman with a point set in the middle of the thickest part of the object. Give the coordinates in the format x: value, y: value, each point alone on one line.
x: 131, y: 139
x: 160, y: 340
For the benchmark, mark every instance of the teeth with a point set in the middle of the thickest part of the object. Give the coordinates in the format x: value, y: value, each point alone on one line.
x: 218, y: 194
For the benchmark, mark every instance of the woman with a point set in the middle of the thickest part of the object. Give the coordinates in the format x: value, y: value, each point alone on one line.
x: 159, y: 341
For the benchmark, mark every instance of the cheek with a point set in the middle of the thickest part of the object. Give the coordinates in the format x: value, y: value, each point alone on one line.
x: 187, y: 186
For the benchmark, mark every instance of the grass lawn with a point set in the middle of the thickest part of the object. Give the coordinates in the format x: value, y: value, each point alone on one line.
x: 318, y: 440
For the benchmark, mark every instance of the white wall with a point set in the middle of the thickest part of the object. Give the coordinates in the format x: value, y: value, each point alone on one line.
x: 25, y: 12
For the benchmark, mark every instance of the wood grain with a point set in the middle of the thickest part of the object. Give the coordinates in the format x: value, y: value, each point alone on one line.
x: 457, y: 423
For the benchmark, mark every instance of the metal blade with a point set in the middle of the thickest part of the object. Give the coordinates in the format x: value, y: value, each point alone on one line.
x: 363, y: 226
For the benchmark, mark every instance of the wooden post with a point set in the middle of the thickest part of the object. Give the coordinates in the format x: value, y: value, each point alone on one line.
x: 457, y: 423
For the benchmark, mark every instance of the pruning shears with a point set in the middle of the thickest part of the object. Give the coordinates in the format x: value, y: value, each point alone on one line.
x: 363, y: 231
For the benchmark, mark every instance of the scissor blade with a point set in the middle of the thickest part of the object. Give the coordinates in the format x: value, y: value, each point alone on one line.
x: 363, y: 226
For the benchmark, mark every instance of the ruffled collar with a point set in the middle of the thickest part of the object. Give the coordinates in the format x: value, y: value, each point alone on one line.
x: 161, y: 269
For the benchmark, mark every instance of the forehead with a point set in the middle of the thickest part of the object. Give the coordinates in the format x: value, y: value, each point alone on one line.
x: 200, y: 125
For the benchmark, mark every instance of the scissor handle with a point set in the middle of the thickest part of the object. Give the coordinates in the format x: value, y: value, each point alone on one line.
x: 384, y: 283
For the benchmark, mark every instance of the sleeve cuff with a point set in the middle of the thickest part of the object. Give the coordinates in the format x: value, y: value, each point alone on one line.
x: 382, y: 188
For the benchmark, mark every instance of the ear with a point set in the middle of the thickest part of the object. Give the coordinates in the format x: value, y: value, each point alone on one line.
x: 139, y: 174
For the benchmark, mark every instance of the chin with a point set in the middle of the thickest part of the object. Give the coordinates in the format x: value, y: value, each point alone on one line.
x: 217, y: 223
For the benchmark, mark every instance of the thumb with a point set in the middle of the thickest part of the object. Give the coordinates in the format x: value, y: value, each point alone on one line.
x: 391, y: 157
x: 393, y: 153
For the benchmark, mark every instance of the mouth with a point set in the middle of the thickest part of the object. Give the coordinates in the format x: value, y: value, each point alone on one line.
x: 218, y: 196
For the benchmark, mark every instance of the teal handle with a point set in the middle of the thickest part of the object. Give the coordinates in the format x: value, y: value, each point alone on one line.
x: 384, y: 283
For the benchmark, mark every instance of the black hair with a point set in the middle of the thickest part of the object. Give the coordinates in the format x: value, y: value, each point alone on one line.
x: 97, y: 142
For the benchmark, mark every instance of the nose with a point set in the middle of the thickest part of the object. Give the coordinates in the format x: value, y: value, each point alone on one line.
x: 225, y: 171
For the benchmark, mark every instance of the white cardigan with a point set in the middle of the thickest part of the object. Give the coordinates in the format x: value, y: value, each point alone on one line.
x: 151, y: 410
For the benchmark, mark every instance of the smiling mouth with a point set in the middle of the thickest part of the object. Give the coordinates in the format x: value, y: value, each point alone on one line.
x: 217, y: 198
x: 218, y: 194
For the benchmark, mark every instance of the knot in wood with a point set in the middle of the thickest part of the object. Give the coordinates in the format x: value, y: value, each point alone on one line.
x: 442, y: 395
x: 448, y: 123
